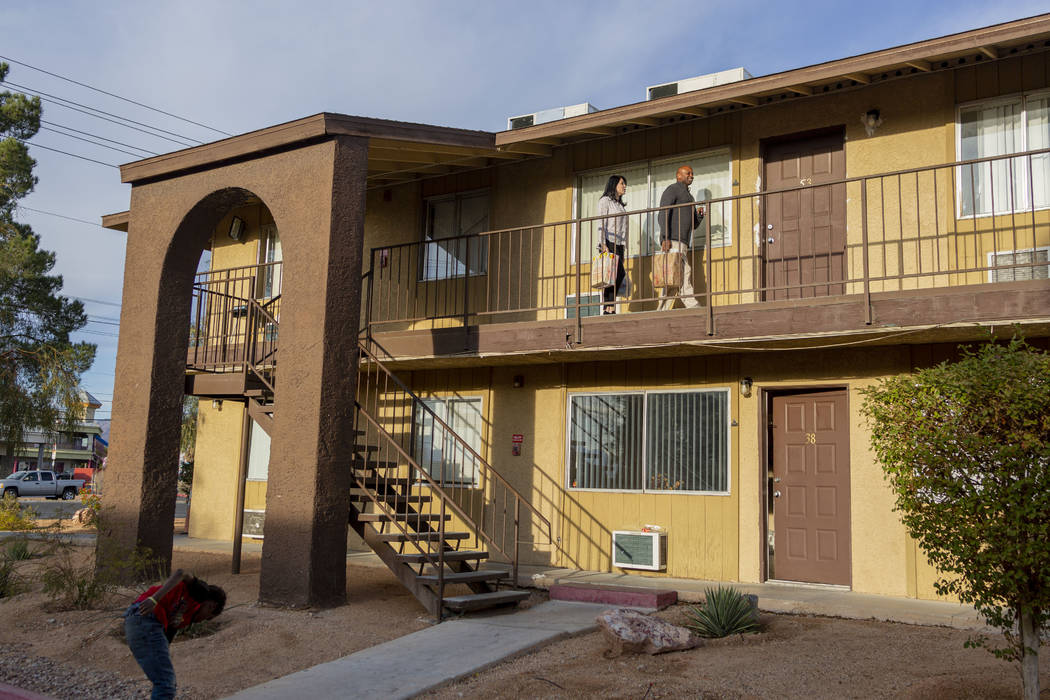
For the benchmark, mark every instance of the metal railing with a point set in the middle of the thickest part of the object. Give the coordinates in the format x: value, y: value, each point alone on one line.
x: 976, y: 221
x: 234, y: 317
x: 432, y: 472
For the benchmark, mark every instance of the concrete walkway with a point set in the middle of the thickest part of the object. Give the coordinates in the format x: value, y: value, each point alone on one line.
x: 430, y: 658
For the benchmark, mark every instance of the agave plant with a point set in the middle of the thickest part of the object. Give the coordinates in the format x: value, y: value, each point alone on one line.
x: 725, y: 611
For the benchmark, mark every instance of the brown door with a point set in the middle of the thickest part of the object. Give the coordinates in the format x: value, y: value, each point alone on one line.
x: 805, y: 230
x: 810, y: 521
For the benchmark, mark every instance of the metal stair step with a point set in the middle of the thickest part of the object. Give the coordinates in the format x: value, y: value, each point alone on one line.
x: 466, y: 576
x: 453, y: 555
x: 374, y: 483
x: 402, y: 517
x: 366, y: 448
x: 478, y: 601
x: 391, y: 499
x: 372, y: 464
x: 421, y: 536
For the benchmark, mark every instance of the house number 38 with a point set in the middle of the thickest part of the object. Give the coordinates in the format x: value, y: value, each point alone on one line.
x: 811, y: 438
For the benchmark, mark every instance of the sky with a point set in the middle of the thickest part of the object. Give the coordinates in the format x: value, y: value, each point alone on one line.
x: 236, y: 66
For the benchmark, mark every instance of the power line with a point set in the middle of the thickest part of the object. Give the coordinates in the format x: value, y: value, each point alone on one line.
x: 96, y: 301
x: 102, y: 323
x: 103, y: 138
x: 125, y: 99
x: 118, y: 123
x: 61, y: 216
x: 93, y: 143
x: 51, y: 97
x: 103, y: 318
x: 108, y: 335
x: 66, y: 153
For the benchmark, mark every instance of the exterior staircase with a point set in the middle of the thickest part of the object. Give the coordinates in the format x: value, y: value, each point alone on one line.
x: 436, y: 535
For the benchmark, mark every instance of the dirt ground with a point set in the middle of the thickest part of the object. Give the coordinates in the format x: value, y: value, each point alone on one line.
x: 250, y: 643
x: 74, y: 654
x: 794, y: 657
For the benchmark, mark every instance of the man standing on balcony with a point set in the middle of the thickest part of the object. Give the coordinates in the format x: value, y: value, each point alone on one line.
x: 676, y: 233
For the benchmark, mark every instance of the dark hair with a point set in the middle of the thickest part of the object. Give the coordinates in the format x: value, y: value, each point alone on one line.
x: 610, y: 188
x: 201, y: 591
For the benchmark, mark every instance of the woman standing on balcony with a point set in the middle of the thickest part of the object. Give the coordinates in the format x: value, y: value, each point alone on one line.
x: 613, y: 229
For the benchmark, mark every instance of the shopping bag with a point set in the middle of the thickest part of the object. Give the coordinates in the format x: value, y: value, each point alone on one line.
x: 667, y: 269
x: 603, y: 270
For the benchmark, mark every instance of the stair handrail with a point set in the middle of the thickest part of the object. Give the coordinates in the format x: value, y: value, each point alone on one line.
x: 483, y: 465
x: 255, y: 311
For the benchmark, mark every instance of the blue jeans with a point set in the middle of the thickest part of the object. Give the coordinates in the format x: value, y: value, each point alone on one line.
x: 145, y: 636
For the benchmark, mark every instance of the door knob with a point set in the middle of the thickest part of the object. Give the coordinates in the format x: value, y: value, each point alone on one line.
x: 776, y: 494
x: 770, y: 240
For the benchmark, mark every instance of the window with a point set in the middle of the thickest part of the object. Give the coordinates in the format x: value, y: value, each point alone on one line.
x: 258, y: 454
x: 447, y: 252
x: 269, y: 282
x: 1000, y: 128
x: 443, y: 458
x: 1034, y: 260
x: 593, y: 306
x: 646, y: 182
x: 650, y: 441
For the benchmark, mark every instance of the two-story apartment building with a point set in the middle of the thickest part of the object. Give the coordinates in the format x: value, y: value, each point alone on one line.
x: 444, y: 364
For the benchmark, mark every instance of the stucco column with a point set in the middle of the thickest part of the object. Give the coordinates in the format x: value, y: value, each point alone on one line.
x: 308, y: 487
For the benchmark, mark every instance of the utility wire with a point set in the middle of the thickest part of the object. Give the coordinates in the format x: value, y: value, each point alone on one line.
x: 96, y: 301
x: 86, y: 140
x: 51, y: 97
x: 61, y: 216
x: 66, y: 153
x: 111, y: 94
x: 96, y: 136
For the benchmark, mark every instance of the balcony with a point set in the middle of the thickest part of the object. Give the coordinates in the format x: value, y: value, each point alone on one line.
x: 928, y: 253
x: 923, y: 255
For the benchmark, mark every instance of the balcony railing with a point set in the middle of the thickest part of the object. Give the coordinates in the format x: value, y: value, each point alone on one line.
x: 979, y: 221
x: 234, y: 318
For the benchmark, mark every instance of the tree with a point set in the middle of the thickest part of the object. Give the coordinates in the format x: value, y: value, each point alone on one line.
x: 966, y: 448
x: 188, y: 443
x: 39, y: 366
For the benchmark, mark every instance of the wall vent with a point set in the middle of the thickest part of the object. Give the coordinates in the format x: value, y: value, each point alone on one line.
x: 700, y: 82
x: 549, y: 115
x: 1035, y: 265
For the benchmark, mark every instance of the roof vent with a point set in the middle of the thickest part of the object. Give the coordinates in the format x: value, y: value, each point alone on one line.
x: 732, y: 75
x: 550, y: 115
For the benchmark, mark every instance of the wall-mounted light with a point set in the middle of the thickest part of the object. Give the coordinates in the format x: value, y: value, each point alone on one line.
x: 871, y: 120
x: 216, y: 404
x: 236, y: 228
x: 519, y: 381
x: 745, y: 387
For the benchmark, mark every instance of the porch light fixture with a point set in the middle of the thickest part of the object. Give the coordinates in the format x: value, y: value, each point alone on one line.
x: 217, y: 404
x: 236, y: 228
x: 745, y: 387
x: 871, y: 121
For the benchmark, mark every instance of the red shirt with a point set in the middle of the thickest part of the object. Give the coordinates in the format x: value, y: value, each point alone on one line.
x: 177, y: 600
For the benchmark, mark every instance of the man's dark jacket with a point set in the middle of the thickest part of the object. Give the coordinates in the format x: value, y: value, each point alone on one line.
x: 677, y: 224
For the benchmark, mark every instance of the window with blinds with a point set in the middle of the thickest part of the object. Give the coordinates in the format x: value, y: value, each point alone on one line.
x: 1000, y: 128
x: 436, y: 451
x: 646, y: 182
x: 452, y: 241
x: 650, y: 441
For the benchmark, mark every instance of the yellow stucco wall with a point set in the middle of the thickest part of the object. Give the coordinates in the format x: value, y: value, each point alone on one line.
x: 214, y: 495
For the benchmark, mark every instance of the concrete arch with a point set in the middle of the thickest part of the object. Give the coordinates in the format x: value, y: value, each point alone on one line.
x: 315, y: 193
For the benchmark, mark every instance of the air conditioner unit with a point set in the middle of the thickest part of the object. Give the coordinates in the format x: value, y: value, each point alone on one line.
x: 549, y: 115
x: 698, y: 83
x: 639, y: 550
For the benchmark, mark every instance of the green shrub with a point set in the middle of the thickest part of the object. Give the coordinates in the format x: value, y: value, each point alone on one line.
x: 18, y: 550
x: 10, y: 582
x: 74, y: 586
x: 725, y: 611
x: 14, y: 517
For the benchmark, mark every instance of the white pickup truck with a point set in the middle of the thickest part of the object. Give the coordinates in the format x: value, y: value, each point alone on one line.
x: 40, y: 483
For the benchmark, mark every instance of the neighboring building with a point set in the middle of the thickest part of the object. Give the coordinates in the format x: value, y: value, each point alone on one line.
x: 79, y: 452
x: 864, y: 217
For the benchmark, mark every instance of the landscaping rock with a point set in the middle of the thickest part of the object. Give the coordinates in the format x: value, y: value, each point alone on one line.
x: 632, y: 631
